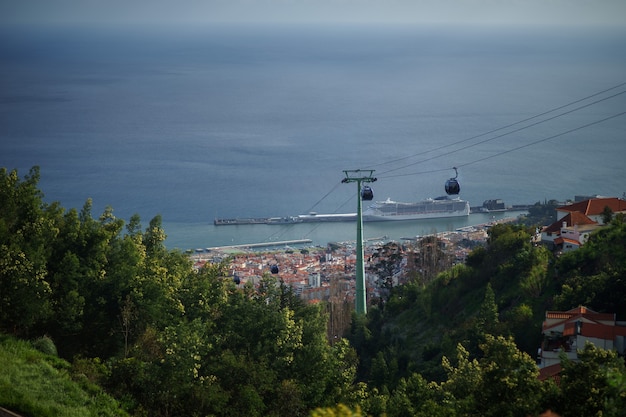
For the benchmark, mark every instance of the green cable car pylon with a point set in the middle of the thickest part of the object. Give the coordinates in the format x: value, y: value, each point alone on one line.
x: 360, y: 176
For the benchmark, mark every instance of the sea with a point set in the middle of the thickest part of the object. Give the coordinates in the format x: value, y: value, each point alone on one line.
x: 222, y: 121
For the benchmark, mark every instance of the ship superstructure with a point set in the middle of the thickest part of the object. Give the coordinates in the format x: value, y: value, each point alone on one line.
x: 425, y: 209
x: 387, y: 210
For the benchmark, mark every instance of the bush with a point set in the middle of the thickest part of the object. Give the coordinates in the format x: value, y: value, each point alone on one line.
x: 46, y: 345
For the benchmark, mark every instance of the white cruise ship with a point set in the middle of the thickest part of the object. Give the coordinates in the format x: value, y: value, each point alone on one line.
x: 425, y: 209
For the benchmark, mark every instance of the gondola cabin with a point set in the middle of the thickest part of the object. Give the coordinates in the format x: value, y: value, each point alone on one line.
x: 274, y: 269
x: 452, y: 186
x: 366, y: 193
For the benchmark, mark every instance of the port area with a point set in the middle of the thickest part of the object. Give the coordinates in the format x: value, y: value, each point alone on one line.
x: 314, y: 272
x: 342, y: 217
x: 258, y: 245
x: 496, y: 206
x: 302, y: 218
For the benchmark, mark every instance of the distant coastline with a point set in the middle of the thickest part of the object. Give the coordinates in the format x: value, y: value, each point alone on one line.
x: 489, y: 206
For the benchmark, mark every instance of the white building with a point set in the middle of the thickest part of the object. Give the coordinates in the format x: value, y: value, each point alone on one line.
x: 575, y: 222
x: 567, y: 331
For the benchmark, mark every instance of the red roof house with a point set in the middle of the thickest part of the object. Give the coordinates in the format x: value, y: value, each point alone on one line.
x: 593, y: 208
x: 567, y: 331
x: 575, y: 222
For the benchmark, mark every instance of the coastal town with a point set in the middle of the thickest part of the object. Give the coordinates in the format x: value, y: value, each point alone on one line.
x: 323, y: 273
x: 317, y: 273
x: 327, y: 273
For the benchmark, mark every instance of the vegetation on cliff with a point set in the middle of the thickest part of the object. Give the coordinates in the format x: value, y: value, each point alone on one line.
x: 165, y: 339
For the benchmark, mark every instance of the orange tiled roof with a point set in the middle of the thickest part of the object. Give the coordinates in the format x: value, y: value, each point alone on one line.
x: 573, y: 314
x: 561, y: 240
x: 595, y: 206
x: 551, y: 371
x: 581, y: 310
x: 572, y: 219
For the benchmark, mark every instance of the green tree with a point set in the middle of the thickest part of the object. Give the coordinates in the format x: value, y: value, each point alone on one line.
x: 541, y: 214
x: 343, y: 364
x: 25, y: 236
x: 488, y: 319
x: 615, y: 399
x: 535, y: 277
x: 414, y: 396
x: 594, y: 274
x: 508, y: 254
x: 340, y: 410
x: 361, y: 339
x: 588, y: 385
x: 502, y: 383
x: 521, y: 323
x: 607, y: 215
x: 93, y: 244
x: 509, y: 380
x: 464, y: 380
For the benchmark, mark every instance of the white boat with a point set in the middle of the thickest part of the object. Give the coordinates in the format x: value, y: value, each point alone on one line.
x: 426, y: 209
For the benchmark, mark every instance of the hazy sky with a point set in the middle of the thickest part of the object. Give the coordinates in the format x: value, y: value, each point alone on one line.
x: 578, y: 12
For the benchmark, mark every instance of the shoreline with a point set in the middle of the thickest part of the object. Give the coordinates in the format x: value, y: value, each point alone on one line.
x: 469, y: 231
x: 191, y: 236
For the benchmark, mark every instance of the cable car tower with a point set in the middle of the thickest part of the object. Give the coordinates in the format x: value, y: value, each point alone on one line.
x: 360, y: 176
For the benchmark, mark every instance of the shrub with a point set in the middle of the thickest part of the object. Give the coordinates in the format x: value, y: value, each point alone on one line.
x: 45, y: 345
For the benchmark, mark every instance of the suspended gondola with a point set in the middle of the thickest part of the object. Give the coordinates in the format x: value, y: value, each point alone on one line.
x: 274, y: 269
x: 452, y: 185
x: 366, y: 193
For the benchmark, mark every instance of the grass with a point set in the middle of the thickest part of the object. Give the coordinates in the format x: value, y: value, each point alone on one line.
x: 40, y: 385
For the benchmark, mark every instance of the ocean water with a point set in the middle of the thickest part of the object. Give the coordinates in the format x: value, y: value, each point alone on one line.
x: 232, y: 121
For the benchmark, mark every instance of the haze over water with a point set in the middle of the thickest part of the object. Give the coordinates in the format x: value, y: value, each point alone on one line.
x: 257, y: 121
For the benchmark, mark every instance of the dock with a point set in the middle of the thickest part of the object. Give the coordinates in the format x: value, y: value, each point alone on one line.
x: 302, y: 218
x: 243, y: 220
x: 262, y: 244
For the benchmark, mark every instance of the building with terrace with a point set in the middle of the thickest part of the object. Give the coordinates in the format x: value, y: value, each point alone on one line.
x: 575, y: 222
x: 565, y: 332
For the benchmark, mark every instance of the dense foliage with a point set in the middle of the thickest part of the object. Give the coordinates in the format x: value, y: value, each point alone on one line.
x: 176, y: 341
x: 168, y: 340
x: 595, y: 275
x: 499, y: 295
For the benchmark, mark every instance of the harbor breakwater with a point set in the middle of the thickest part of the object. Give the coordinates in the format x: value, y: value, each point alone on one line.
x: 186, y: 236
x: 341, y: 217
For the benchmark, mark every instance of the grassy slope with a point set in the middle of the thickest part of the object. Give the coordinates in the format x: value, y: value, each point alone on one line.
x: 40, y: 385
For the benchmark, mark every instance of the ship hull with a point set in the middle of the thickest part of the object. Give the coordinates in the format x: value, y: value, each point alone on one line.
x: 396, y: 217
x: 381, y: 211
x: 427, y: 209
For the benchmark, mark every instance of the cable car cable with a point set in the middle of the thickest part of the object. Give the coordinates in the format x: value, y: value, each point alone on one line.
x: 322, y: 199
x: 383, y: 174
x: 517, y: 148
x: 484, y: 141
x: 546, y: 139
x: 507, y: 126
x: 490, y: 132
x: 282, y: 232
x: 501, y: 135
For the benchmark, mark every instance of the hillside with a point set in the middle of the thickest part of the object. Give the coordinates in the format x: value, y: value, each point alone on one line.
x: 38, y: 384
x: 504, y: 289
x: 167, y: 339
